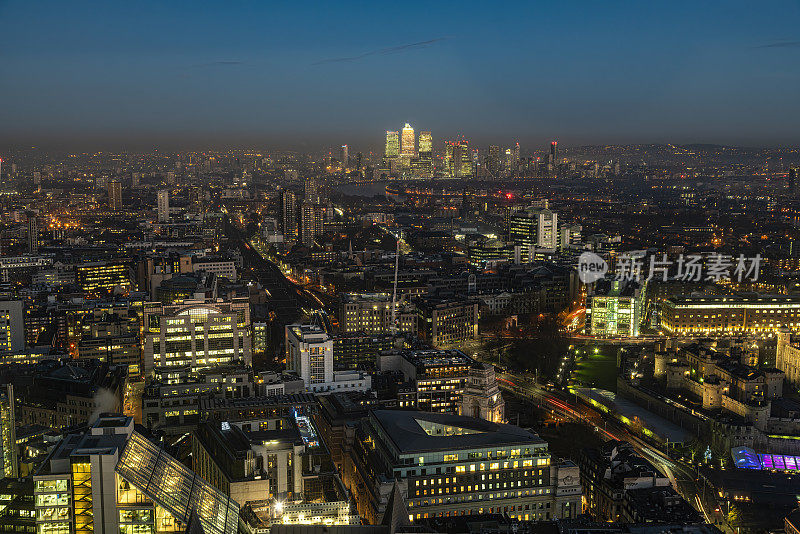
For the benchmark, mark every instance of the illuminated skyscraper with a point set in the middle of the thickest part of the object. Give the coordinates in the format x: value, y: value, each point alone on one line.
x: 425, y: 143
x: 289, y: 205
x: 309, y: 352
x: 163, y: 206
x: 458, y: 160
x: 12, y: 326
x: 392, y: 144
x: 345, y: 156
x: 493, y: 160
x: 33, y: 233
x: 407, y: 142
x: 553, y: 151
x: 114, y: 195
x: 422, y: 167
x: 310, y: 223
x: 534, y: 227
x: 8, y: 433
x: 311, y: 190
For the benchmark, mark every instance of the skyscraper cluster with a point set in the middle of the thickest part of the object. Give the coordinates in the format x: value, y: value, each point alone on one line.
x: 402, y: 155
x: 410, y: 156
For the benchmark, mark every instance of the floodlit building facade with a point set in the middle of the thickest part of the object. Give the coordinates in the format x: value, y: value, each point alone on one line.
x: 730, y: 314
x: 614, y: 311
x: 197, y: 333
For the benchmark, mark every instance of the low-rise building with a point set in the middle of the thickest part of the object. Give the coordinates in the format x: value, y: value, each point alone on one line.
x: 621, y: 486
x: 730, y: 314
x: 445, y: 321
x: 448, y: 465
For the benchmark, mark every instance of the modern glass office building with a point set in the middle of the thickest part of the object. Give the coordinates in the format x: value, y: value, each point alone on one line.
x: 112, y: 479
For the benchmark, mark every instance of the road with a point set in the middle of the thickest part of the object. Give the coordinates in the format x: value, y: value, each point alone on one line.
x: 683, y: 478
x: 289, y: 301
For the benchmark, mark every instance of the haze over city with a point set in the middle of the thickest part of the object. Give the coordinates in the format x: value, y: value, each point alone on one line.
x: 211, y: 75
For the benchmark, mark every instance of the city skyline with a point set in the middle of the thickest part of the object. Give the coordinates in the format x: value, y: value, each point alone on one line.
x: 174, y: 77
x: 399, y: 268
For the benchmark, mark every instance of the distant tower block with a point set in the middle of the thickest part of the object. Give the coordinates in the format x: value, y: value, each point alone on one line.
x: 163, y: 206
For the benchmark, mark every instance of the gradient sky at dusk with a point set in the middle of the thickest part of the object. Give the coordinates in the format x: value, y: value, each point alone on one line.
x: 172, y: 73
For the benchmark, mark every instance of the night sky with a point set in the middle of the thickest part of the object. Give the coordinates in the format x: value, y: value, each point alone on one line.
x: 205, y: 74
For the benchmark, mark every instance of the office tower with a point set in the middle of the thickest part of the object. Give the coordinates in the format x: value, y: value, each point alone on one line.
x: 309, y: 353
x: 111, y: 478
x: 434, y: 379
x: 493, y: 161
x: 614, y: 309
x: 455, y: 466
x: 12, y: 326
x: 445, y: 321
x: 794, y: 181
x: 114, y: 195
x: 33, y: 233
x: 289, y: 205
x: 163, y: 206
x: 8, y: 433
x: 371, y: 313
x: 422, y: 166
x: 516, y: 156
x: 407, y: 142
x: 197, y: 334
x: 458, y: 160
x: 508, y: 163
x: 570, y: 236
x: 534, y: 227
x: 425, y: 143
x: 100, y: 275
x: 392, y: 144
x: 310, y: 223
x: 345, y: 156
x: 311, y: 191
x: 554, y: 152
x: 463, y: 160
x: 111, y: 334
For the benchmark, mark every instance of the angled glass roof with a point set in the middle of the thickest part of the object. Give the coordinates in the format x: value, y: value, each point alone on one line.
x: 175, y: 487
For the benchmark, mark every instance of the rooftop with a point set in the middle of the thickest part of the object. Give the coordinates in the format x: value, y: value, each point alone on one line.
x: 412, y: 432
